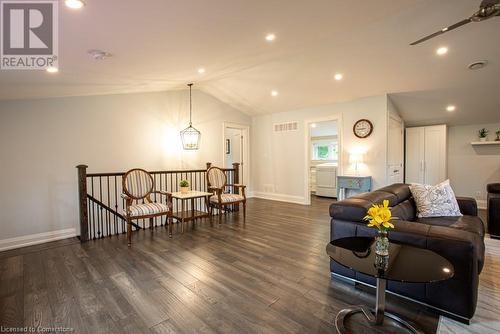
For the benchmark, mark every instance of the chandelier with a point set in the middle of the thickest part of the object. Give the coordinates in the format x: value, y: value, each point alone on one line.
x: 190, y: 136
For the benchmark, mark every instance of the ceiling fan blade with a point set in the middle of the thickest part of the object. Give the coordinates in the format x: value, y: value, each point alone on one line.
x: 442, y: 31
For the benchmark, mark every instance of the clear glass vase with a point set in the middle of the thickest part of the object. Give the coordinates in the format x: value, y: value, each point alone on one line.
x: 382, y: 243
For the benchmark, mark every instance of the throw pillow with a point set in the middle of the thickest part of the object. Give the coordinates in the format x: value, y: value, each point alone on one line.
x: 435, y: 201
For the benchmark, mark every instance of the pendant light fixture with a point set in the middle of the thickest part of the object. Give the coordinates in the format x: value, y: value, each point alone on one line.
x: 190, y: 136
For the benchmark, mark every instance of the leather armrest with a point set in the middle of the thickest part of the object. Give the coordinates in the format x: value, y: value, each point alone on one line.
x: 493, y: 188
x: 468, y: 206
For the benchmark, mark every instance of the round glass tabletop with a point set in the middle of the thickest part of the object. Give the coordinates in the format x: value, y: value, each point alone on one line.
x: 404, y: 263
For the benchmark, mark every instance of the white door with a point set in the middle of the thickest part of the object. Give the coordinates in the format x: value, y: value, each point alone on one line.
x: 415, y: 155
x: 236, y: 150
x: 395, y: 151
x: 435, y: 154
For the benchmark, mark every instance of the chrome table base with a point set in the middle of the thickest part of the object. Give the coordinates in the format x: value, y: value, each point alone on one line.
x: 375, y: 317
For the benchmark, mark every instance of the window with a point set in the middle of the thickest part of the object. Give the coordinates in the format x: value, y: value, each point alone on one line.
x: 325, y: 150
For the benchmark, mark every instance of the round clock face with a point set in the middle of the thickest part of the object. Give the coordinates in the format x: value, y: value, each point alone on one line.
x: 363, y: 128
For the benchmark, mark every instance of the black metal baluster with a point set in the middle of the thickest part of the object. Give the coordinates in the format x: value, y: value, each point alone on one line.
x: 93, y: 212
x: 108, y: 218
x: 89, y: 219
x: 102, y: 224
x: 116, y: 206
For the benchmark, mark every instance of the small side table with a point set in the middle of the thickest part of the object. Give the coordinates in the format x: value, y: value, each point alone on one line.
x: 184, y: 215
x: 358, y: 254
x: 351, y: 182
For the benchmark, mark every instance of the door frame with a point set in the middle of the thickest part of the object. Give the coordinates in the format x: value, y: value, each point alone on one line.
x: 396, y: 117
x: 307, y: 149
x: 245, y: 130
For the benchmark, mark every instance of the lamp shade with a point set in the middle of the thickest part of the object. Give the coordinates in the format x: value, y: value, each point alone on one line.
x: 355, y: 158
x: 190, y: 138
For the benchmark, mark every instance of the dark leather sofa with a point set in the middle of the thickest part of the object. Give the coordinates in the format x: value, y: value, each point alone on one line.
x: 459, y: 239
x: 494, y: 210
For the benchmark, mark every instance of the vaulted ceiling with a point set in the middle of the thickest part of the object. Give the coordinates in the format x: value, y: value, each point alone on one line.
x: 160, y: 44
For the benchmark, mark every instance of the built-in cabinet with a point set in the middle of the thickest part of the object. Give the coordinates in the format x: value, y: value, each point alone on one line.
x: 426, y: 154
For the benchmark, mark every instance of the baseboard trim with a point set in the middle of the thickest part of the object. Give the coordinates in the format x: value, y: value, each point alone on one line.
x: 35, y: 239
x: 279, y: 197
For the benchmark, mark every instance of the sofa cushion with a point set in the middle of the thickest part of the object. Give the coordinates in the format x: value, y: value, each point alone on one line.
x: 355, y: 208
x: 400, y: 190
x: 471, y: 224
x: 405, y: 210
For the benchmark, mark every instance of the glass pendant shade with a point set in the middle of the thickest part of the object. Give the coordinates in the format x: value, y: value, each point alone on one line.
x: 190, y: 137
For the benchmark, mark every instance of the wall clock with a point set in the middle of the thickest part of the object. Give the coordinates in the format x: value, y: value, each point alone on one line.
x: 362, y: 128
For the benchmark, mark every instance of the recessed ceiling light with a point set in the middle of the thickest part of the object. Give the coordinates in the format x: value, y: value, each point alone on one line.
x: 270, y: 37
x: 52, y: 69
x: 274, y: 93
x: 338, y: 76
x: 201, y: 70
x: 451, y: 108
x: 313, y: 125
x: 442, y: 51
x: 74, y: 4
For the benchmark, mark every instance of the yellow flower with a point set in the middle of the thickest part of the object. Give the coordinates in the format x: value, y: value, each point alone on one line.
x: 385, y: 214
x: 380, y: 216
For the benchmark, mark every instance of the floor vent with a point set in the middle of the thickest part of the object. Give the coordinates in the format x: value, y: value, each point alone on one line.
x: 286, y: 127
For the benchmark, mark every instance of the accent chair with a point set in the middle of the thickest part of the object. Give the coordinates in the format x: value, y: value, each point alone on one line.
x: 221, y: 199
x: 138, y: 185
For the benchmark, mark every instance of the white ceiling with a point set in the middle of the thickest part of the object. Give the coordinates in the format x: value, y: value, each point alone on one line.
x: 160, y: 44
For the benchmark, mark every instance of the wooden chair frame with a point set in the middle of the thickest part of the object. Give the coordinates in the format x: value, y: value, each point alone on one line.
x: 219, y: 191
x: 129, y: 199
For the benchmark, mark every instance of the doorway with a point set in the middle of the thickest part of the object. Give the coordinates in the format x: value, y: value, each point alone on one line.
x: 323, y: 157
x: 236, y: 149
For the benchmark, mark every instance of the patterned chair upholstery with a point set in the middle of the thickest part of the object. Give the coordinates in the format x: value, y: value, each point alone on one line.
x: 138, y: 185
x: 217, y: 184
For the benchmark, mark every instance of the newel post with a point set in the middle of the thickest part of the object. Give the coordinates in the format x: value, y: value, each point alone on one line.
x: 236, y: 167
x: 82, y: 201
x: 209, y: 164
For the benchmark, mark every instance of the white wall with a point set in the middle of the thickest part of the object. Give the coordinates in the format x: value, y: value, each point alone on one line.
x: 41, y: 142
x: 278, y: 159
x: 470, y: 168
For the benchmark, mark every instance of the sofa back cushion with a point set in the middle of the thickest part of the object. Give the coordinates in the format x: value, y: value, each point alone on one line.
x: 355, y: 208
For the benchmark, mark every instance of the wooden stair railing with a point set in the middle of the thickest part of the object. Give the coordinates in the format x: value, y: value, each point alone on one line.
x: 101, y: 206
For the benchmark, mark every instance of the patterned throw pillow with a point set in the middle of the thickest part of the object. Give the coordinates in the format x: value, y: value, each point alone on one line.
x: 435, y: 201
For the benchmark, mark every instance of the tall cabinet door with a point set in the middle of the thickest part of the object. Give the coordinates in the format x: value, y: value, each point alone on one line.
x: 395, y: 150
x: 435, y: 154
x: 415, y: 155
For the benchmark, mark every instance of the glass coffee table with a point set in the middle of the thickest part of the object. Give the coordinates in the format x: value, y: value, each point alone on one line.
x: 403, y: 264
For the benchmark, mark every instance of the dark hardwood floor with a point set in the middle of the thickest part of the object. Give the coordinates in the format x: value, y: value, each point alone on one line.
x: 270, y: 275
